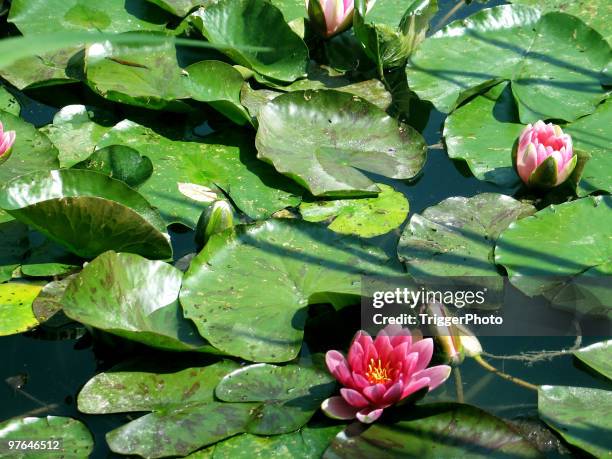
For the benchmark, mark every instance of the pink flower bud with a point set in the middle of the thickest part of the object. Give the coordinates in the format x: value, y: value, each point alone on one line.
x: 6, y: 142
x: 330, y: 17
x: 544, y: 156
x: 379, y: 373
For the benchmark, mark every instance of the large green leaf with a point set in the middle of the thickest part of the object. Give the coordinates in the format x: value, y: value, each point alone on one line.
x: 434, y: 431
x: 41, y: 16
x: 75, y: 131
x: 74, y: 441
x: 324, y: 139
x: 580, y: 415
x: 556, y: 245
x: 14, y: 246
x: 178, y: 7
x: 366, y: 217
x: 236, y: 23
x: 226, y: 161
x: 592, y: 135
x: 597, y: 356
x: 136, y: 74
x: 32, y: 150
x: 8, y: 102
x: 87, y: 212
x: 16, y: 314
x: 291, y: 394
x: 483, y: 132
x: 248, y: 294
x: 132, y: 297
x: 597, y: 13
x: 553, y: 62
x: 456, y: 237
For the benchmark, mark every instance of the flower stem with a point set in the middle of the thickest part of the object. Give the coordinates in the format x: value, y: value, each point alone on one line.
x: 458, y: 384
x: 501, y: 374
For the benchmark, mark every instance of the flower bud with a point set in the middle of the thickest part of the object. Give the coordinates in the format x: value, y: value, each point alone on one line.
x: 6, y: 143
x: 216, y: 218
x: 544, y: 156
x: 330, y: 17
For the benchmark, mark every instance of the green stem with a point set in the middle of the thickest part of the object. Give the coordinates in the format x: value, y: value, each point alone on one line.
x: 458, y: 384
x: 506, y: 376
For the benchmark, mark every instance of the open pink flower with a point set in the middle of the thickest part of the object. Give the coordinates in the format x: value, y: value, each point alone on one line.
x: 379, y: 373
x: 6, y: 142
x: 545, y: 156
x: 330, y: 17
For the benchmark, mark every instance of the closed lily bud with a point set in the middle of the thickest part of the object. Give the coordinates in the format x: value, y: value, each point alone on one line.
x: 330, y: 17
x: 448, y: 338
x: 216, y: 218
x: 544, y: 156
x: 7, y: 139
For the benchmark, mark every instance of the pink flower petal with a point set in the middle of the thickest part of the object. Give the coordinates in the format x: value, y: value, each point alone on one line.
x: 414, y: 386
x: 356, y: 358
x: 354, y: 398
x: 375, y: 392
x: 337, y: 365
x: 368, y: 416
x: 425, y: 350
x: 393, y: 393
x: 337, y: 408
x: 382, y: 343
x: 359, y: 381
x: 436, y: 375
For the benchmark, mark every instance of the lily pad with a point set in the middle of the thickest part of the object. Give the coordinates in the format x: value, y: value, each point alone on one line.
x: 16, y: 314
x: 142, y: 75
x: 132, y: 297
x: 248, y: 293
x: 14, y: 245
x: 218, y: 84
x: 597, y: 14
x: 324, y: 139
x: 75, y: 440
x: 242, y: 24
x: 483, y: 133
x: 32, y: 150
x: 555, y: 245
x: 119, y: 162
x: 178, y: 7
x: 87, y: 212
x: 8, y: 102
x: 433, y: 431
x: 598, y: 356
x: 592, y: 135
x: 367, y: 217
x: 291, y: 394
x: 570, y: 411
x: 225, y: 161
x: 75, y: 131
x: 553, y: 59
x: 41, y: 16
x: 457, y: 236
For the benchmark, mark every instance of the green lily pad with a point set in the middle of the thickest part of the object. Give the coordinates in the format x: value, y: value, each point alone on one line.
x: 596, y: 14
x: 57, y: 67
x: 14, y: 245
x: 42, y: 16
x: 239, y: 24
x: 32, y: 150
x: 553, y: 59
x: 592, y: 135
x: 137, y: 74
x: 218, y: 84
x: 16, y: 314
x: 324, y: 139
x: 554, y: 246
x: 132, y: 297
x: 8, y: 102
x: 367, y: 217
x: 457, y: 236
x: 433, y: 431
x: 571, y: 412
x: 178, y: 7
x: 225, y: 161
x: 74, y: 439
x: 87, y: 212
x: 254, y: 99
x: 291, y: 9
x: 119, y: 162
x: 598, y: 357
x: 48, y: 305
x: 291, y: 394
x: 483, y: 133
x: 47, y: 258
x: 75, y: 131
x: 248, y: 293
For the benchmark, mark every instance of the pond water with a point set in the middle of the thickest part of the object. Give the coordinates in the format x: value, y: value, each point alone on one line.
x: 42, y: 376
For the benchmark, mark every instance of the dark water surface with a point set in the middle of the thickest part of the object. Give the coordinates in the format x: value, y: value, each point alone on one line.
x: 44, y: 376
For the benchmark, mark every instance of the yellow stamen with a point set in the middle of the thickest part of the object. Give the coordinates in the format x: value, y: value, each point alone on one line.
x: 377, y: 373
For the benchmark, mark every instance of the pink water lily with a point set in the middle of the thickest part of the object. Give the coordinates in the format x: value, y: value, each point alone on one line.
x: 330, y: 17
x: 379, y: 373
x: 6, y: 142
x: 544, y: 156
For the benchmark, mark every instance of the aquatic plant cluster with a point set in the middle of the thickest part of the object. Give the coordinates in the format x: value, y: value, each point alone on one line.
x: 198, y: 190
